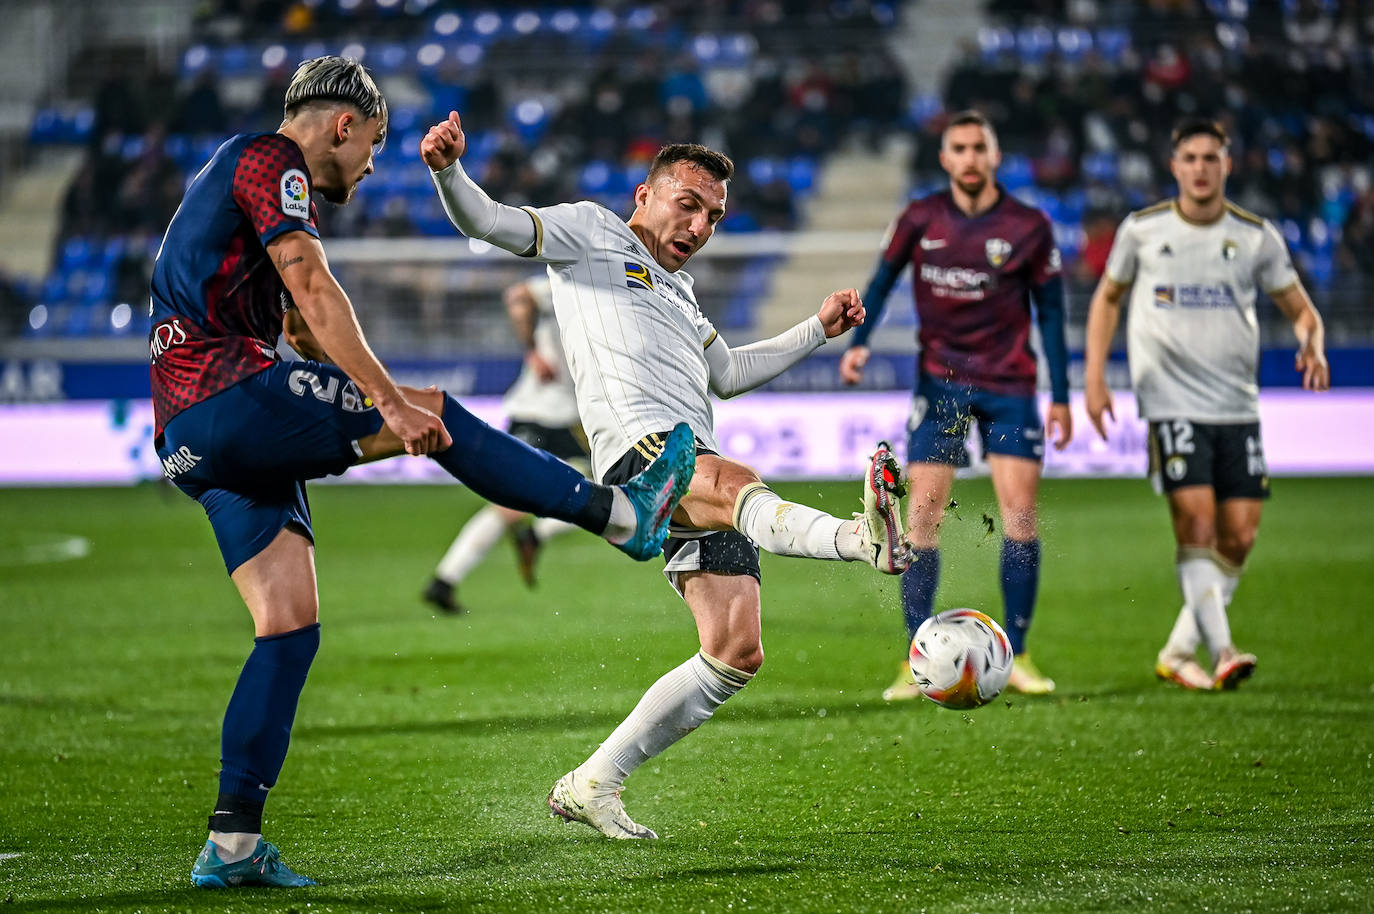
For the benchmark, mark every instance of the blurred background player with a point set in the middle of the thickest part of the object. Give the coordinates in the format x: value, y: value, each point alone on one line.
x: 643, y: 357
x: 542, y: 409
x: 240, y: 431
x: 1193, y: 265
x: 979, y: 259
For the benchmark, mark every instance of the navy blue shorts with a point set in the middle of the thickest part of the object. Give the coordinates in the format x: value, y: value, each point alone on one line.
x: 942, y: 411
x: 246, y: 452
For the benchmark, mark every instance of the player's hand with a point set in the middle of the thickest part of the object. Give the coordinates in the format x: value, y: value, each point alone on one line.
x: 444, y: 144
x: 1098, y: 400
x: 841, y: 311
x: 852, y: 364
x: 421, y: 431
x: 1311, y: 361
x: 1060, y: 425
x: 540, y: 366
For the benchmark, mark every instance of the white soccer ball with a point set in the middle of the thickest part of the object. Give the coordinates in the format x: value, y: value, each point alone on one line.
x: 961, y: 658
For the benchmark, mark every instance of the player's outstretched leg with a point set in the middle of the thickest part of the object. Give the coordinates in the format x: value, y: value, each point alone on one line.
x: 262, y: 867
x: 505, y: 470
x: 877, y: 536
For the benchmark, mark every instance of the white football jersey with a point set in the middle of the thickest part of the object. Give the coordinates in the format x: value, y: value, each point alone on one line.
x: 549, y: 403
x: 633, y: 334
x: 1192, y: 334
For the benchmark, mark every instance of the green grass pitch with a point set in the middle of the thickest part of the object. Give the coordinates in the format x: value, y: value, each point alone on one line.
x: 424, y: 746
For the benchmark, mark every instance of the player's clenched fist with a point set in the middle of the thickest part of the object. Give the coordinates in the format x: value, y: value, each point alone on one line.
x: 841, y: 311
x: 444, y: 144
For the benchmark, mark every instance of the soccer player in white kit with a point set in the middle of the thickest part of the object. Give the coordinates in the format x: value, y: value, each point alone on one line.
x: 1193, y: 266
x: 643, y: 356
x: 542, y: 409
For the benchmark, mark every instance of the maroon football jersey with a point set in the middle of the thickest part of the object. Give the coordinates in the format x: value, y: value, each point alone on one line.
x: 971, y: 278
x: 217, y: 298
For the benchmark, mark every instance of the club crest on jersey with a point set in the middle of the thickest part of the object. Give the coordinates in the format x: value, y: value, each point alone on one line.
x: 1229, y: 249
x: 637, y: 277
x: 997, y: 250
x: 295, y: 194
x: 1164, y: 296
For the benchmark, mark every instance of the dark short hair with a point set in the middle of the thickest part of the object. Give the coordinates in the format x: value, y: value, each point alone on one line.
x: 716, y: 164
x: 1194, y: 126
x: 970, y: 117
x: 339, y: 80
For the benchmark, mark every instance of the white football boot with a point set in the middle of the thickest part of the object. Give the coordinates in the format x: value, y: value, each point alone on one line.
x: 1182, y: 670
x: 884, y: 526
x: 581, y: 802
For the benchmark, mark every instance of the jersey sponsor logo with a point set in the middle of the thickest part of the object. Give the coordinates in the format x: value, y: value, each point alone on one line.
x: 300, y: 381
x: 179, y: 461
x: 956, y: 282
x: 1229, y: 249
x: 933, y: 244
x: 637, y: 276
x: 164, y: 336
x: 997, y: 249
x: 295, y: 194
x: 1196, y: 296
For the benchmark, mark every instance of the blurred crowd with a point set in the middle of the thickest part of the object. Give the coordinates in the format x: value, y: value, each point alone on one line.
x: 1082, y: 92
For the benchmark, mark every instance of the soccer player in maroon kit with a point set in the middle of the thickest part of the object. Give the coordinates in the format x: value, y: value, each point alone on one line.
x: 980, y: 258
x: 241, y: 431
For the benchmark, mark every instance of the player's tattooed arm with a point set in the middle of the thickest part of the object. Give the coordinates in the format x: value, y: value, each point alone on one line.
x: 300, y: 337
x: 283, y: 261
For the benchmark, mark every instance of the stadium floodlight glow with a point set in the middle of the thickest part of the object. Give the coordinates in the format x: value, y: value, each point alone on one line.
x: 565, y: 21
x: 430, y: 54
x: 602, y: 21
x: 120, y: 316
x: 487, y: 23
x: 469, y: 54
x: 273, y: 56
x: 38, y: 317
x: 348, y: 6
x: 387, y: 4
x: 197, y: 56
x: 529, y: 112
x: 354, y: 50
x: 526, y: 22
x: 447, y: 24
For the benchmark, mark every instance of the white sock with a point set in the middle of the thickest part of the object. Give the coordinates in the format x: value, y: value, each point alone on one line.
x: 546, y: 528
x: 787, y: 528
x: 682, y: 700
x: 1185, y: 637
x: 473, y: 542
x: 234, y: 845
x: 1203, y: 583
x: 622, y: 524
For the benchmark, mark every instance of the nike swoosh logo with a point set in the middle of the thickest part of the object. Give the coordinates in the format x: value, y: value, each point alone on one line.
x: 931, y: 244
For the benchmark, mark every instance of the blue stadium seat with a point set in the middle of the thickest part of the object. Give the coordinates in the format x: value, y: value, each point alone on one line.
x: 1101, y: 166
x: 1034, y: 43
x: 995, y: 42
x: 1112, y: 43
x: 1073, y: 43
x: 1015, y: 172
x: 801, y: 174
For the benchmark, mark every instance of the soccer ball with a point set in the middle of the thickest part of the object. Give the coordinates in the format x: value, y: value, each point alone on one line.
x: 960, y: 658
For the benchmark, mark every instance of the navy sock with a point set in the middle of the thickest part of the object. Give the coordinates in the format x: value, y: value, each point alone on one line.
x: 1020, y: 582
x: 505, y: 470
x: 257, y: 725
x: 919, y: 581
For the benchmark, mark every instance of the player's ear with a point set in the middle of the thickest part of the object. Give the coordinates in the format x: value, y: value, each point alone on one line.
x: 641, y: 194
x: 344, y: 124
